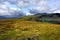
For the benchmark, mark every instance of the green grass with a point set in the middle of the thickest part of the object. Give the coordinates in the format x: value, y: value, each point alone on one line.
x: 21, y: 29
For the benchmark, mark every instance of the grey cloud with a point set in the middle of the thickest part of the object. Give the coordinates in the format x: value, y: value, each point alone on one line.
x: 42, y: 9
x: 12, y: 1
x: 8, y: 12
x: 26, y: 3
x: 34, y: 11
x: 15, y: 14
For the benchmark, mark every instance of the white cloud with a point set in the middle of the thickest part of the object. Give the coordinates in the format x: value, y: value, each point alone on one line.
x: 42, y: 9
x: 39, y: 6
x: 42, y: 2
x: 57, y: 11
x: 3, y: 7
x: 20, y: 4
x: 28, y: 13
x: 26, y: 3
x: 10, y: 12
x: 15, y: 9
x: 3, y: 10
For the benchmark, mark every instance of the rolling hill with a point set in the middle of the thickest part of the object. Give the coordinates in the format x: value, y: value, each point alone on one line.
x: 33, y: 27
x: 22, y: 29
x: 44, y: 17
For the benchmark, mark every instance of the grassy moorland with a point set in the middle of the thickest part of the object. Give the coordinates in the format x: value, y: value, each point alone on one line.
x: 20, y: 29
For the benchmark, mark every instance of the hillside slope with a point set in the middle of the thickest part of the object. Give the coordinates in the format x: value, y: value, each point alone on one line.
x: 41, y: 17
x: 20, y: 29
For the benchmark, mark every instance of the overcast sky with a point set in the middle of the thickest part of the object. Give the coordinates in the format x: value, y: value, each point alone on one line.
x: 29, y: 7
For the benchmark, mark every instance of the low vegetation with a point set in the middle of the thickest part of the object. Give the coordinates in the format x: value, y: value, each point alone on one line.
x: 21, y: 29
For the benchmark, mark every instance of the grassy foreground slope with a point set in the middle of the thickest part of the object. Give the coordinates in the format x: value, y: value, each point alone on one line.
x: 20, y: 29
